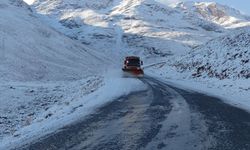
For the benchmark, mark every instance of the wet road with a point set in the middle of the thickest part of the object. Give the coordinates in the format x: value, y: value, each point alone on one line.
x: 162, y: 117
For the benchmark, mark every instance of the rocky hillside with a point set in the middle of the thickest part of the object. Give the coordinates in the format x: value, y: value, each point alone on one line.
x: 30, y: 50
x: 226, y: 57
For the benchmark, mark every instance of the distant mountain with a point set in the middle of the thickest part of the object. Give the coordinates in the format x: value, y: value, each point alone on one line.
x: 219, y: 14
x: 30, y: 50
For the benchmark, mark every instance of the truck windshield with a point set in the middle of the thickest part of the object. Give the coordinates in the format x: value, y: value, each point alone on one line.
x: 133, y: 62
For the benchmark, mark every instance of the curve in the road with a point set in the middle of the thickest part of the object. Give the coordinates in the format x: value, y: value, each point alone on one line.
x: 162, y: 117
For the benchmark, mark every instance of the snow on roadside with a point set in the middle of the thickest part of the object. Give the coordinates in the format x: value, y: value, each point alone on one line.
x: 233, y: 92
x: 26, y: 107
x: 31, y: 110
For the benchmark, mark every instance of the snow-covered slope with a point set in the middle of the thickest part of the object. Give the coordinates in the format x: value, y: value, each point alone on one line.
x: 30, y: 50
x: 143, y: 27
x: 224, y: 57
x: 84, y: 20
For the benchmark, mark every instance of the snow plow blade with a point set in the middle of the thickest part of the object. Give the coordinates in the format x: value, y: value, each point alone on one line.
x: 133, y: 73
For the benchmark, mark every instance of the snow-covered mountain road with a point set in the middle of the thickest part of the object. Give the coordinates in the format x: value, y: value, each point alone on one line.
x: 161, y: 117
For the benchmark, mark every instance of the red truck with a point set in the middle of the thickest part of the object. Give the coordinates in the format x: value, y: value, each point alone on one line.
x: 132, y: 65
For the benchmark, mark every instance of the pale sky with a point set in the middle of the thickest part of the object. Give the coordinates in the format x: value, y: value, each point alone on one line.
x: 241, y: 5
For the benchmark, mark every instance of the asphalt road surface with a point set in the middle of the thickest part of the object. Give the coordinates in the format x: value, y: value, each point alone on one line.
x: 162, y: 117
